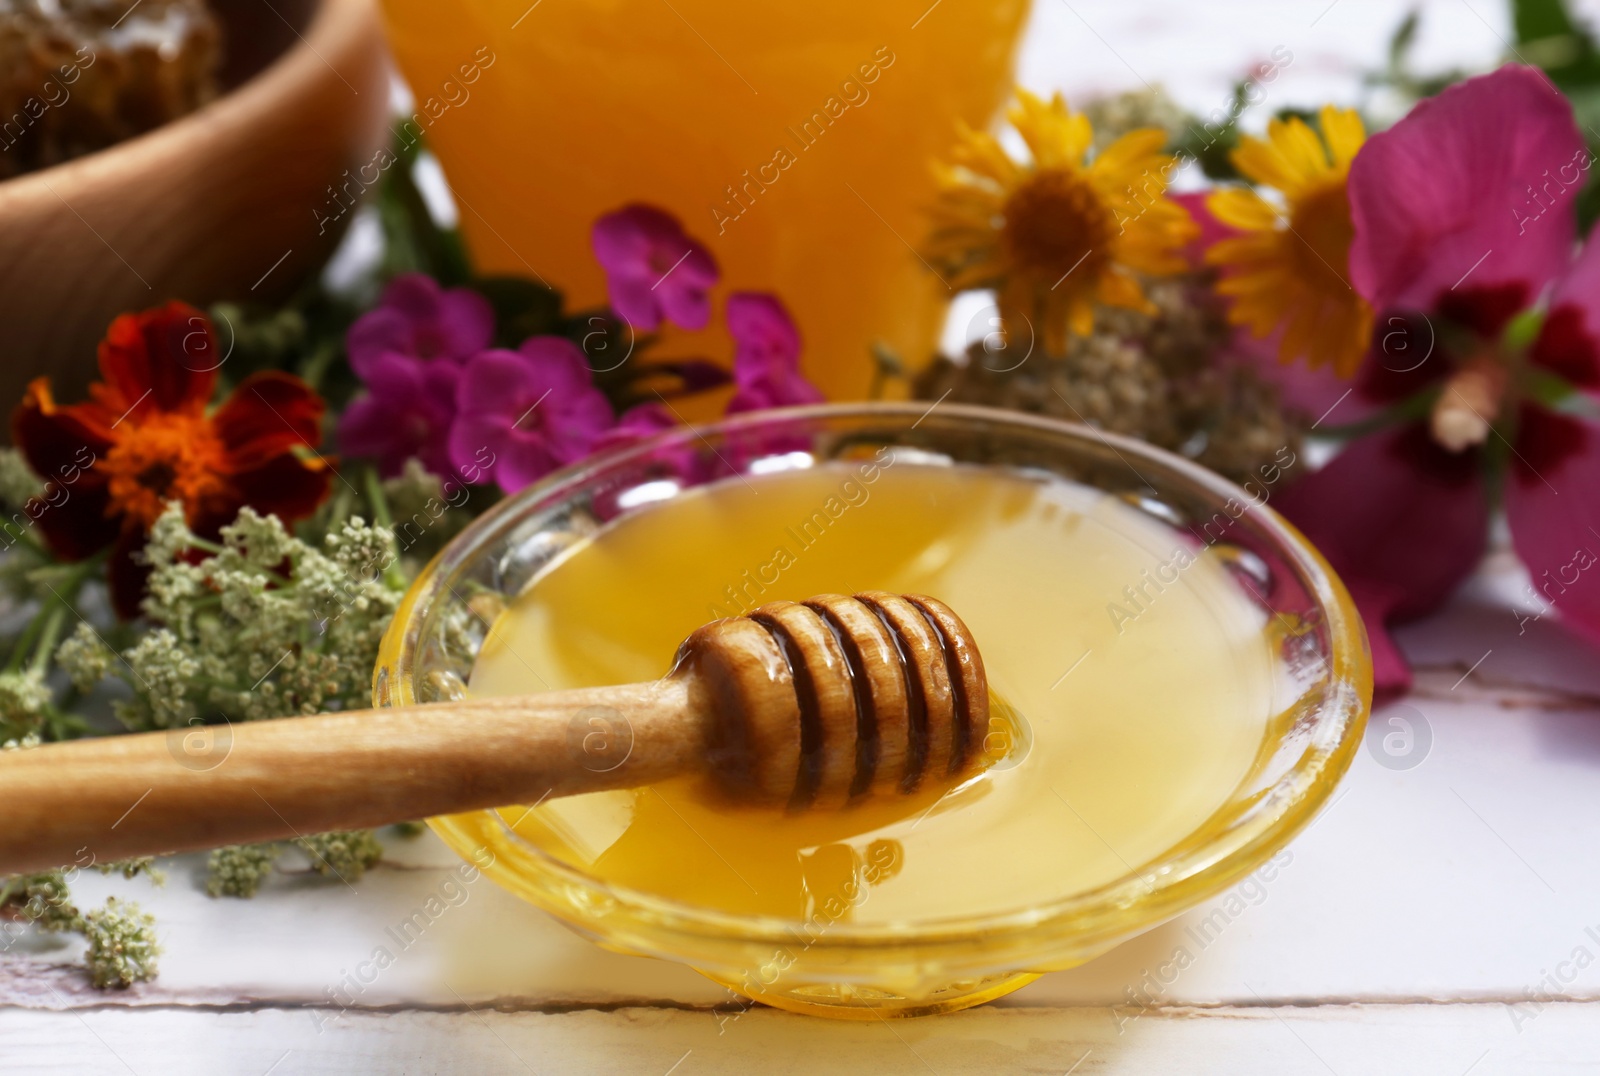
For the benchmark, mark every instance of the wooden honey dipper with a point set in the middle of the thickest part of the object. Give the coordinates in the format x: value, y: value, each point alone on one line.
x: 808, y: 705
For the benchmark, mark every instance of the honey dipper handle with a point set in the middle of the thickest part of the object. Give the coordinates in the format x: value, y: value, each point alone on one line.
x: 106, y: 799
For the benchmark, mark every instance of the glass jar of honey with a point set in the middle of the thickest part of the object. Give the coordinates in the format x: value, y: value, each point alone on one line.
x: 795, y: 140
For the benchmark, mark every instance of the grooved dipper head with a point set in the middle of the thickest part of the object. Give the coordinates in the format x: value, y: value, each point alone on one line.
x: 816, y: 703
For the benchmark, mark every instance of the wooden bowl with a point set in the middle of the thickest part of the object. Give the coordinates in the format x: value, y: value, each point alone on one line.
x: 221, y: 204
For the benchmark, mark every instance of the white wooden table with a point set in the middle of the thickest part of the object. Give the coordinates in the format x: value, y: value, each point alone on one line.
x: 1437, y: 919
x: 1420, y: 926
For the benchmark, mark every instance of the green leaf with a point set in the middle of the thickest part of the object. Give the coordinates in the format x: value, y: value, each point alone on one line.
x: 1534, y: 20
x: 413, y: 241
x: 1523, y: 329
x: 1210, y: 148
x: 1405, y: 35
x: 522, y: 308
x: 669, y: 379
x: 1588, y: 204
x: 1549, y: 37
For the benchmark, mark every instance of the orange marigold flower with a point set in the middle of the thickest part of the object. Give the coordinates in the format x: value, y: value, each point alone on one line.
x: 145, y: 437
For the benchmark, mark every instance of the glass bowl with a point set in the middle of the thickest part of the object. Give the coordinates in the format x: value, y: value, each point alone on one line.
x: 918, y: 967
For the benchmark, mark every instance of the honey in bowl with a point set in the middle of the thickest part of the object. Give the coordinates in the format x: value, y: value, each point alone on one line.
x: 1133, y: 682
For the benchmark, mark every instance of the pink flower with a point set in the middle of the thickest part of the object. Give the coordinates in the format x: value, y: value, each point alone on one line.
x: 418, y: 319
x: 653, y: 270
x: 532, y: 410
x: 407, y: 413
x: 676, y: 463
x: 766, y: 374
x: 635, y: 424
x: 787, y: 391
x: 1457, y: 195
x: 1464, y: 217
x: 407, y: 350
x: 766, y: 358
x: 765, y: 339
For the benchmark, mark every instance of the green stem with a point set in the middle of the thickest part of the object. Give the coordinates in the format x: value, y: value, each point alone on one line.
x: 25, y: 641
x: 49, y: 635
x: 380, y: 504
x: 1410, y: 409
x: 339, y: 507
x: 47, y: 621
x: 65, y: 725
x: 317, y: 365
x: 393, y: 577
x: 885, y: 365
x: 25, y: 536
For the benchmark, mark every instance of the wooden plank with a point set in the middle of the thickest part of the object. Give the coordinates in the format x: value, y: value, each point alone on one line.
x: 1413, y: 1040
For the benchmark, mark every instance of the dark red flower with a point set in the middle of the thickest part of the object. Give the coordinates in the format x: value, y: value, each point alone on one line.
x: 145, y: 437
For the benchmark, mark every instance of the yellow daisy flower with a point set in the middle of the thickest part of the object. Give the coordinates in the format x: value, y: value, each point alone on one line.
x: 1291, y: 267
x: 1058, y: 234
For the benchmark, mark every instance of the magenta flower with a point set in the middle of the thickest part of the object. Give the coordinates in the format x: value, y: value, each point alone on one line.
x: 406, y: 413
x: 789, y: 391
x: 527, y: 412
x: 766, y: 373
x: 766, y: 357
x: 418, y: 319
x: 680, y: 463
x: 1464, y: 217
x: 635, y: 424
x: 765, y: 338
x: 653, y: 270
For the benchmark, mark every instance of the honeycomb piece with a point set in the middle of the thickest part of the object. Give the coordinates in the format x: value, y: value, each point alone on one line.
x: 80, y: 75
